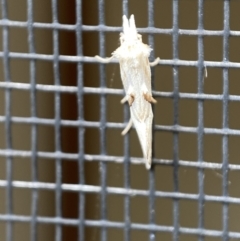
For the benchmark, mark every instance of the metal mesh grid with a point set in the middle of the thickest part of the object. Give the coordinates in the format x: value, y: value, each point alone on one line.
x: 10, y: 218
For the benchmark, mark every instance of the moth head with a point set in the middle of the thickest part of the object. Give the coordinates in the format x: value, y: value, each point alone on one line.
x: 129, y: 35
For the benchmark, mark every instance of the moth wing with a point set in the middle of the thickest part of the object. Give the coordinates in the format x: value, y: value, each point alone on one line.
x: 144, y: 132
x: 125, y: 76
x: 146, y: 72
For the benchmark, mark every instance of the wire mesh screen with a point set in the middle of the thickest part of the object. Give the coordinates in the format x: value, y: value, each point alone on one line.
x: 66, y: 173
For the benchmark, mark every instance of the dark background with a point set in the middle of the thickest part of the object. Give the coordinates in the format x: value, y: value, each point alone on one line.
x: 163, y: 112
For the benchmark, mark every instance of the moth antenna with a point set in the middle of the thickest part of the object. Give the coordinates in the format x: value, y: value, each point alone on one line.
x: 132, y: 24
x: 125, y: 25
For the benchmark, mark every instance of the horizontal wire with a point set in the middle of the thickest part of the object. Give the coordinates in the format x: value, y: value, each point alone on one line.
x: 115, y: 159
x: 119, y: 191
x: 96, y: 124
x: 87, y: 59
x: 121, y: 225
x: 104, y: 28
x: 102, y: 90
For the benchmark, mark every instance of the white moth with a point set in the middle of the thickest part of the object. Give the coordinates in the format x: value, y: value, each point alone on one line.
x: 136, y: 77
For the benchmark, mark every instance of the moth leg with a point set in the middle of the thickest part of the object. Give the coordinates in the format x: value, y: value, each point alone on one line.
x: 128, y: 127
x: 146, y: 95
x: 124, y: 99
x: 205, y: 72
x: 104, y: 60
x: 149, y: 98
x: 155, y: 62
x: 129, y: 98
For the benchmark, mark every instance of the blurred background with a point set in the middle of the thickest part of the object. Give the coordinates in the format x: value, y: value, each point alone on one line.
x: 164, y: 177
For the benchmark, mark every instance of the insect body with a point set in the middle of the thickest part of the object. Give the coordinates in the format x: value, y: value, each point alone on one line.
x: 136, y: 77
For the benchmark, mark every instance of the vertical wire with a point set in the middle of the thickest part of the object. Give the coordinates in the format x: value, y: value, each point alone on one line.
x: 81, y: 130
x: 200, y: 120
x: 34, y: 126
x: 8, y: 129
x: 58, y: 163
x: 127, y: 185
x: 225, y: 118
x: 103, y: 167
x: 151, y: 176
x: 125, y: 7
x: 176, y: 113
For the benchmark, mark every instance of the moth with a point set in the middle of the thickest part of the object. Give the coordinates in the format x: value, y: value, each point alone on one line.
x: 135, y: 71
